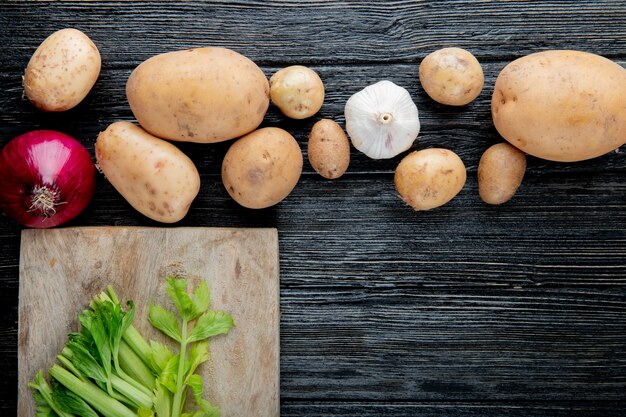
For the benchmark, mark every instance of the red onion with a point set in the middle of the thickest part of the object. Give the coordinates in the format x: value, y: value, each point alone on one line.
x: 46, y: 178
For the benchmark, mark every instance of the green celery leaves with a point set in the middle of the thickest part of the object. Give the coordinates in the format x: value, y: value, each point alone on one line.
x: 109, y: 369
x: 195, y: 324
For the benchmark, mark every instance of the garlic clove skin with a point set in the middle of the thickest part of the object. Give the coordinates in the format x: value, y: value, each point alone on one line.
x: 382, y: 120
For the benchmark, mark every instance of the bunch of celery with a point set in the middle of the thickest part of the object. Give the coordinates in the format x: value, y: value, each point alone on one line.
x: 108, y: 369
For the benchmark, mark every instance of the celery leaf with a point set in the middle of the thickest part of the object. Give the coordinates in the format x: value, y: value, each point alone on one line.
x: 198, y: 354
x: 162, y: 401
x: 167, y: 378
x: 165, y: 321
x: 210, y: 324
x: 208, y: 409
x: 201, y: 298
x: 175, y: 289
x: 159, y: 355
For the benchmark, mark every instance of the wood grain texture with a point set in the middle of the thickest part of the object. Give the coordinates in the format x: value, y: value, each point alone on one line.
x: 418, y: 345
x: 61, y: 270
x: 453, y: 409
x: 468, y: 310
x: 330, y: 31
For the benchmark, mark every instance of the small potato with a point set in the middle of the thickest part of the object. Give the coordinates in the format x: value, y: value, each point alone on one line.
x: 62, y: 71
x: 328, y: 149
x: 561, y: 106
x: 451, y: 76
x: 154, y: 176
x: 500, y: 173
x: 262, y: 168
x: 429, y: 178
x: 297, y: 91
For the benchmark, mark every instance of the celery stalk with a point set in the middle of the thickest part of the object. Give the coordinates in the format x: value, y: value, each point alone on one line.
x: 90, y: 392
x: 140, y: 399
x: 69, y: 366
x: 178, y: 403
x: 137, y: 343
x: 45, y: 391
x: 132, y: 364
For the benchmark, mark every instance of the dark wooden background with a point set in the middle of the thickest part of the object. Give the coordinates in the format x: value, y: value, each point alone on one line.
x: 466, y: 310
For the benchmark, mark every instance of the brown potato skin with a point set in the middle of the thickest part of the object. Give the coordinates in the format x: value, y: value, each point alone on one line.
x: 62, y: 71
x: 328, y: 149
x: 262, y: 168
x: 429, y: 178
x: 561, y: 105
x: 297, y: 91
x: 153, y: 175
x: 451, y: 76
x: 202, y: 95
x: 500, y: 173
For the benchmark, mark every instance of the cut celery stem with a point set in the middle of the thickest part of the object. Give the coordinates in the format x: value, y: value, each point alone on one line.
x: 132, y: 392
x: 93, y: 395
x: 119, y: 372
x: 132, y: 364
x: 137, y: 343
x: 46, y: 393
x: 70, y: 366
x: 137, y: 397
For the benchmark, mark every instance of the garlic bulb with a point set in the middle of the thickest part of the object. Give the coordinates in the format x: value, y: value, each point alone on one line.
x: 382, y: 120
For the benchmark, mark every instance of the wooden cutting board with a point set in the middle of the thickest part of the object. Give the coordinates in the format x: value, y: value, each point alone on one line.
x: 61, y: 270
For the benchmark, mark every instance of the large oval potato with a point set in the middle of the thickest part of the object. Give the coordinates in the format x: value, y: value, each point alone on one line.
x: 262, y: 168
x: 62, y: 71
x: 154, y: 176
x: 561, y: 105
x: 200, y: 95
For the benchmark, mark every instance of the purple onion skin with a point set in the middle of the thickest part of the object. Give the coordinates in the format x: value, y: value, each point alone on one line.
x: 46, y: 178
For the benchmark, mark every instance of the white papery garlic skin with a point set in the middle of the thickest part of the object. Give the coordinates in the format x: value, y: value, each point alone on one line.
x: 382, y: 120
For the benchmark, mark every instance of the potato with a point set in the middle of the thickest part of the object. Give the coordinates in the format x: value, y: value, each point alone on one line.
x: 154, y: 176
x: 62, y: 71
x: 429, y: 178
x: 200, y: 95
x: 500, y: 173
x: 262, y: 168
x: 297, y: 91
x: 328, y: 149
x: 561, y: 105
x: 451, y: 76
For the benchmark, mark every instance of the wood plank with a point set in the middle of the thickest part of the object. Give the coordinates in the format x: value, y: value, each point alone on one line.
x: 453, y: 409
x: 61, y: 270
x: 488, y: 345
x: 359, y: 31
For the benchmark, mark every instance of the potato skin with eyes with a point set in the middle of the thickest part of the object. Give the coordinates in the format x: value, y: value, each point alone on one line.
x: 202, y: 95
x: 451, y: 76
x: 297, y: 91
x: 262, y: 168
x: 561, y: 105
x: 328, y: 149
x: 500, y: 173
x: 62, y: 71
x: 153, y: 175
x: 429, y: 178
